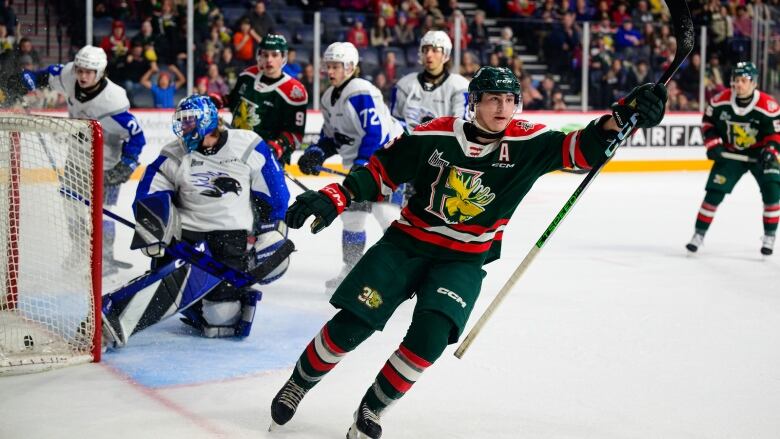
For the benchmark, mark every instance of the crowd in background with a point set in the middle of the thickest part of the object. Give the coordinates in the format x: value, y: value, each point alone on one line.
x: 631, y: 42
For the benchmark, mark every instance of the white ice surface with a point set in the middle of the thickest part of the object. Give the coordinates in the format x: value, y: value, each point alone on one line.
x: 613, y: 333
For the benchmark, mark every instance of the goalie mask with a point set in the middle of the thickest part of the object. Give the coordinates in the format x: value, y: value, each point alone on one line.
x: 195, y: 117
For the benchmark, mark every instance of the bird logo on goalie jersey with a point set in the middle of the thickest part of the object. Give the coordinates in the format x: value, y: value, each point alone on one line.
x: 742, y: 135
x: 217, y: 184
x: 461, y: 197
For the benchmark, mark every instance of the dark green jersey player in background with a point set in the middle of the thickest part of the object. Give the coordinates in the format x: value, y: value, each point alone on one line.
x: 469, y: 176
x: 269, y: 101
x: 741, y: 128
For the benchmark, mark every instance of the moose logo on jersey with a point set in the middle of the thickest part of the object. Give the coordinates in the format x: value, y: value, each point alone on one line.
x: 216, y: 183
x: 246, y: 117
x: 461, y: 197
x: 741, y: 135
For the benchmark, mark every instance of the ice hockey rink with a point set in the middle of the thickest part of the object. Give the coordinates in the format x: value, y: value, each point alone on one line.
x: 614, y: 332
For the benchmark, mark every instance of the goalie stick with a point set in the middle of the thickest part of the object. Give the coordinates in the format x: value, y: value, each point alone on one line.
x: 188, y: 253
x: 683, y: 31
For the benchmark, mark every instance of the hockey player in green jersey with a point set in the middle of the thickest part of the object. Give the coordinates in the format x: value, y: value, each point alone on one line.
x: 269, y: 101
x: 469, y: 177
x: 741, y: 128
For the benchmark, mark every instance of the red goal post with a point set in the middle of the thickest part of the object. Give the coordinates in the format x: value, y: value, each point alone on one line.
x: 51, y: 197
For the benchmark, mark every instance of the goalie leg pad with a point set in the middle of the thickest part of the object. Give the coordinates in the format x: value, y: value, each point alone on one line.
x: 157, y: 221
x: 153, y: 297
x: 266, y: 244
x: 224, y: 313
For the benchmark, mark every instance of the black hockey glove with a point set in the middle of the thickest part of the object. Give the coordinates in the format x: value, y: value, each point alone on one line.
x: 311, y: 160
x: 714, y: 148
x: 648, y: 101
x: 281, y: 153
x: 119, y: 174
x: 770, y: 160
x: 325, y: 204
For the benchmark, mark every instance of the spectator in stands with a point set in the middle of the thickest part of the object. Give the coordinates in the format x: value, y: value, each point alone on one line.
x: 468, y: 65
x: 743, y: 26
x: 116, y: 45
x: 243, y: 43
x: 261, y: 22
x: 547, y: 89
x: 641, y: 14
x: 494, y: 60
x: 464, y: 29
x: 129, y: 70
x: 224, y: 33
x: 26, y: 48
x: 413, y: 10
x: 205, y: 12
x: 614, y: 81
x: 148, y: 40
x: 505, y: 47
x: 307, y: 80
x: 620, y: 14
x: 688, y: 76
x: 638, y: 74
x: 520, y: 8
x: 479, y: 35
x: 561, y: 44
x: 721, y: 28
x: 517, y: 66
x: 713, y: 77
x: 164, y: 89
x: 628, y: 41
x: 381, y: 82
x: 357, y: 35
x: 202, y: 86
x: 428, y: 24
x: 8, y: 17
x: 229, y: 66
x: 165, y: 20
x: 216, y: 84
x: 603, y: 27
x: 431, y: 8
x: 380, y: 35
x: 6, y: 40
x: 532, y: 99
x: 390, y: 67
x: 403, y: 33
x: 584, y: 11
x: 558, y: 104
x: 292, y: 68
x: 386, y: 10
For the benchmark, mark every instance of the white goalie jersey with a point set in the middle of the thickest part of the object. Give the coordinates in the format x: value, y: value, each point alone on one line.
x: 358, y: 121
x: 212, y: 191
x: 413, y: 101
x: 122, y: 135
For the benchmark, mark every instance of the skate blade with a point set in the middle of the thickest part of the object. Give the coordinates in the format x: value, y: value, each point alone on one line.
x: 354, y: 433
x: 274, y: 426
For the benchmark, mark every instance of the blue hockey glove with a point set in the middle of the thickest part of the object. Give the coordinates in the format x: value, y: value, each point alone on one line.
x: 648, y: 101
x: 325, y: 204
x: 119, y: 174
x: 311, y: 160
x: 28, y: 79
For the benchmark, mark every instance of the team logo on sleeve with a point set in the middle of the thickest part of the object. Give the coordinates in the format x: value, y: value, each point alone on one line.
x: 216, y: 184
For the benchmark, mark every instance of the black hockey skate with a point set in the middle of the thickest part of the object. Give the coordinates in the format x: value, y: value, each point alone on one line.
x: 285, y: 403
x: 695, y: 243
x: 767, y: 243
x: 366, y: 425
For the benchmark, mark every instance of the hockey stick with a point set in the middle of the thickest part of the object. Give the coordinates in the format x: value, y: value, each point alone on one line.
x: 331, y: 171
x: 738, y: 157
x: 683, y: 31
x: 188, y: 253
x: 296, y: 181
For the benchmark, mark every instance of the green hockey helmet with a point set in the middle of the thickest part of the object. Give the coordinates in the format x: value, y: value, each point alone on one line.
x: 273, y: 42
x: 493, y: 80
x: 745, y: 68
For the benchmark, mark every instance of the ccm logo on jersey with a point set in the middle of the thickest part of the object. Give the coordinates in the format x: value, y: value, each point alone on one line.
x: 452, y: 295
x: 503, y: 157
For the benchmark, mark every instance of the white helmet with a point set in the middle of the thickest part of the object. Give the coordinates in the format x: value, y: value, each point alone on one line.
x: 344, y: 53
x: 436, y: 38
x: 91, y: 58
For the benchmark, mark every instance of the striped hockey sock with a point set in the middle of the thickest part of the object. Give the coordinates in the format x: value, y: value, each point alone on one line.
x: 771, y: 218
x: 399, y: 373
x: 705, y: 217
x: 319, y: 358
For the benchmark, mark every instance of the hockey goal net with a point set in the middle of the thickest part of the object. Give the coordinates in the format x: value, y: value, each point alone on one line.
x: 51, y: 172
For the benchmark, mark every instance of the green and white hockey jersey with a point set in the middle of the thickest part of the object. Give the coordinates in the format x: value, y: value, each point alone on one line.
x: 276, y: 111
x: 744, y: 130
x: 466, y: 192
